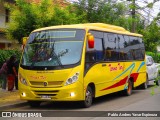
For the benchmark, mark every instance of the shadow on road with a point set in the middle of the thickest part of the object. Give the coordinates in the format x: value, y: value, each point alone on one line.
x: 77, y: 105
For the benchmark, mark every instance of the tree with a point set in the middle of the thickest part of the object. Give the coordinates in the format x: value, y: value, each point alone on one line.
x: 26, y: 17
x: 151, y: 36
x: 106, y: 11
x: 135, y: 9
x: 29, y: 16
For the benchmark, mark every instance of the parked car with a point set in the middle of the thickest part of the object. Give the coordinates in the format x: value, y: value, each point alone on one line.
x: 152, y: 70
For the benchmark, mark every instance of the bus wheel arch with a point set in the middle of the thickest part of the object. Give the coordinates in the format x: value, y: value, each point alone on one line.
x: 89, y: 95
x: 92, y: 85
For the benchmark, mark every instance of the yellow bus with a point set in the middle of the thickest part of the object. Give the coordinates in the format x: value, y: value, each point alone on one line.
x: 80, y: 62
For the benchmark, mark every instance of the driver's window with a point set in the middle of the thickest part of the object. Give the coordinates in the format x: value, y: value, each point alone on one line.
x: 95, y: 54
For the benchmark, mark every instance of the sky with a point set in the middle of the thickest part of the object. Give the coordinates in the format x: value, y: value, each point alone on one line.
x: 153, y: 12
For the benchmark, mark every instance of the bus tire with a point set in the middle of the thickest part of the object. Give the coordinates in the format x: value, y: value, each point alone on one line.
x: 128, y: 91
x: 34, y: 103
x: 88, y: 98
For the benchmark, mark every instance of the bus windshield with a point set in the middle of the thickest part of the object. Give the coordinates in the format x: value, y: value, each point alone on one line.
x: 53, y: 48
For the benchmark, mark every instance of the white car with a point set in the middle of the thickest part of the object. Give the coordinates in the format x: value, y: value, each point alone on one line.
x: 152, y: 70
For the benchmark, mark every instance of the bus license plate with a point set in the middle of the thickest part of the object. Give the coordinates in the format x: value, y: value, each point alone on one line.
x: 45, y: 97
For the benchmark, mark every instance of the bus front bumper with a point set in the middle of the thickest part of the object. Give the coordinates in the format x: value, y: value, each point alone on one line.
x: 65, y: 93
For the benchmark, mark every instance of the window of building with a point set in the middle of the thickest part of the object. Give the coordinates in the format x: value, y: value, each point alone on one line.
x: 7, y: 15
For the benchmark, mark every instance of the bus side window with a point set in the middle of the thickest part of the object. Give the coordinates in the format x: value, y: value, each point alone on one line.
x: 122, y: 53
x: 128, y: 48
x: 110, y: 46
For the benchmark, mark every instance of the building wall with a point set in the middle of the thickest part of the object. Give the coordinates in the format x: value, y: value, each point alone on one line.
x: 4, y: 42
x: 2, y: 16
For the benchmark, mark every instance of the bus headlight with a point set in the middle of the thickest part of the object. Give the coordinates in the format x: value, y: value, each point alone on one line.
x: 23, y: 81
x: 72, y: 79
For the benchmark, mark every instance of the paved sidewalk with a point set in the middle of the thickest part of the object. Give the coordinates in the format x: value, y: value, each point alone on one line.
x: 10, y: 99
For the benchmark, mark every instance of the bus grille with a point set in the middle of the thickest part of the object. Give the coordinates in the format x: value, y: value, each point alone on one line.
x: 50, y: 83
x: 50, y: 93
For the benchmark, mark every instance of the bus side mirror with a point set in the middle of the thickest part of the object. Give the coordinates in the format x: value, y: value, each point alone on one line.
x: 90, y: 40
x: 25, y: 40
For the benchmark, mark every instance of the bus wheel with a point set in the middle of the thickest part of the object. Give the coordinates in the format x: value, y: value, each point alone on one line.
x: 34, y: 103
x: 128, y: 91
x: 88, y: 98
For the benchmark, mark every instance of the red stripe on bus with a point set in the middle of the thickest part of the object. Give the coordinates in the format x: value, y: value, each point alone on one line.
x: 122, y: 82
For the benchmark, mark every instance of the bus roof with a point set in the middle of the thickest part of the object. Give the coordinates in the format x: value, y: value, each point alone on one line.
x: 93, y: 26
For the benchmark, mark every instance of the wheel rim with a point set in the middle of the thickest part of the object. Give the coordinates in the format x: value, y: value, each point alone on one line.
x: 88, y: 97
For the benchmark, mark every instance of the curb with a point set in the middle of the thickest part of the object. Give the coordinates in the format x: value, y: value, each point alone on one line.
x: 9, y: 106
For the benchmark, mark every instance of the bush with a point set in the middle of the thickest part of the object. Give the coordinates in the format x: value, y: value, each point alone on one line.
x: 6, y: 54
x: 155, y: 56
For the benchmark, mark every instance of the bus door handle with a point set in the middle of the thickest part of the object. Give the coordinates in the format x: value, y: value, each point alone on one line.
x: 103, y: 65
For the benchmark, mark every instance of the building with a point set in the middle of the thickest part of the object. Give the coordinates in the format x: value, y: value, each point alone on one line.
x: 5, y: 19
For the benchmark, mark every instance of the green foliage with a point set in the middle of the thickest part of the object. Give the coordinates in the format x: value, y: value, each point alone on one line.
x: 100, y: 11
x: 155, y: 56
x: 27, y: 17
x: 154, y: 87
x: 110, y: 12
x: 6, y: 54
x: 151, y: 36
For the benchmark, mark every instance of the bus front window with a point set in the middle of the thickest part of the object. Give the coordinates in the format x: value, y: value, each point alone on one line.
x: 53, y: 50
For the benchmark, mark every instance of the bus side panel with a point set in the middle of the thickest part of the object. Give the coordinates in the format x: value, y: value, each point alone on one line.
x: 121, y: 79
x: 141, y: 79
x: 137, y: 72
x: 108, y: 78
x: 114, y: 76
x: 113, y: 73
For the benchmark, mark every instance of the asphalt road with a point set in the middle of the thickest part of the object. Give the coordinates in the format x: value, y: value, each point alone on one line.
x: 140, y: 100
